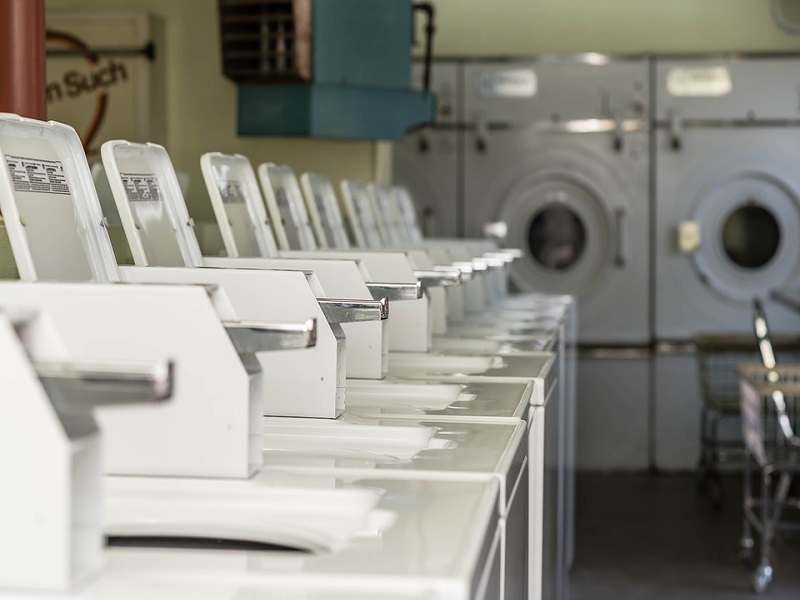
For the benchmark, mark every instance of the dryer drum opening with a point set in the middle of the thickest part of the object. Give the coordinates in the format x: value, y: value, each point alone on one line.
x: 751, y: 236
x: 556, y: 237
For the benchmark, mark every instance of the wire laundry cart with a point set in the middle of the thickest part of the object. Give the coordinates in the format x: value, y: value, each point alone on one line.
x: 768, y: 398
x: 717, y: 356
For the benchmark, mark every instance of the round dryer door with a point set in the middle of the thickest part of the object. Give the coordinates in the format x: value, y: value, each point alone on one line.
x: 748, y: 242
x: 566, y: 229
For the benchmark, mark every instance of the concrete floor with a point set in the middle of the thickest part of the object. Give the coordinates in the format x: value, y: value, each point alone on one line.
x: 649, y: 536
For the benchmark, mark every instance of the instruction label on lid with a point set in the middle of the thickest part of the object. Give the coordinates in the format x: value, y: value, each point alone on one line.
x: 507, y: 83
x: 141, y: 186
x: 699, y: 81
x: 37, y: 175
x: 231, y: 191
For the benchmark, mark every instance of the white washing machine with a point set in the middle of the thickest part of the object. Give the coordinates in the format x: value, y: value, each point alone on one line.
x: 727, y: 185
x: 428, y: 161
x: 557, y: 149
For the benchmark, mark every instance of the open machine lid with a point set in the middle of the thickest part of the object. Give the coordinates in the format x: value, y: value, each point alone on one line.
x: 50, y: 205
x: 286, y: 207
x: 151, y: 205
x: 322, y: 201
x: 238, y: 205
x: 387, y: 214
x: 359, y: 212
x: 405, y: 204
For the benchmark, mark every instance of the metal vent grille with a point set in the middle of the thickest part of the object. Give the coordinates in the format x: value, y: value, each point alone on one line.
x: 266, y: 41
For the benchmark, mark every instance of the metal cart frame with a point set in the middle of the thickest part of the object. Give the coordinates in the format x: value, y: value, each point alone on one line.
x: 766, y: 391
x: 717, y: 356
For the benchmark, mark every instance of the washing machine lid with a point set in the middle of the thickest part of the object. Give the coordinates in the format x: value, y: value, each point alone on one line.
x: 49, y: 201
x: 238, y: 205
x: 151, y: 205
x: 322, y: 201
x: 286, y: 207
x: 360, y: 213
x: 727, y: 89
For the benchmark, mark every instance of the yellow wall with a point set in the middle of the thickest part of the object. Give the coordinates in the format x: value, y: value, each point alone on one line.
x: 201, y: 103
x: 513, y: 27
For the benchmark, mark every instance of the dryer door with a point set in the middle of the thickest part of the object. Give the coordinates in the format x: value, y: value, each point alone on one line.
x: 748, y: 223
x: 566, y: 229
x: 579, y: 212
x: 728, y: 216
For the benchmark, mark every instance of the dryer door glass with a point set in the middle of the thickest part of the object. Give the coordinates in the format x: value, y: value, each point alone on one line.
x: 751, y: 236
x: 556, y: 237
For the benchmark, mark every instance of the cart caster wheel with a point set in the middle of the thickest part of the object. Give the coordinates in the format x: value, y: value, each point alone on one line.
x: 762, y: 578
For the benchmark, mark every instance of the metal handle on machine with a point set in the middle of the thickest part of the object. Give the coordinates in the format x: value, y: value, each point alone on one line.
x: 675, y: 128
x: 424, y: 141
x: 86, y: 385
x: 622, y: 247
x: 618, y: 135
x: 395, y: 291
x: 354, y: 311
x: 493, y: 262
x: 430, y: 29
x: 439, y: 278
x: 464, y: 268
x: 249, y: 337
x: 474, y: 266
x: 481, y: 129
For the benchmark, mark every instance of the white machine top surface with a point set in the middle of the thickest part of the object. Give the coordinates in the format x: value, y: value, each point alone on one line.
x: 400, y: 448
x: 476, y: 401
x: 435, y: 546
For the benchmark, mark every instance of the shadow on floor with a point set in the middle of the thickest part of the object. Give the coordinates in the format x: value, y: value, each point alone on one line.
x: 651, y: 536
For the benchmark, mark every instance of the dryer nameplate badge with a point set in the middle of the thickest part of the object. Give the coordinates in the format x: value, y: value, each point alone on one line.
x: 507, y: 83
x: 699, y: 81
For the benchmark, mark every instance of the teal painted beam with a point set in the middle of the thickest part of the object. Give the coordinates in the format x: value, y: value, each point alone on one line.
x: 331, y: 111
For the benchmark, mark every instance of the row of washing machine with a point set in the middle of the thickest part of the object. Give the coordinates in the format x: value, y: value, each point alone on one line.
x: 664, y: 192
x: 277, y: 423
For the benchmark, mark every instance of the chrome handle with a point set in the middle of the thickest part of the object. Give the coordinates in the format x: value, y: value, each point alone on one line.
x: 618, y: 137
x: 513, y: 252
x: 481, y: 131
x: 249, y: 337
x: 675, y: 140
x: 493, y: 262
x: 341, y: 310
x: 464, y: 268
x: 622, y: 246
x: 438, y: 278
x: 87, y: 385
x: 506, y: 257
x: 474, y: 266
x: 395, y: 291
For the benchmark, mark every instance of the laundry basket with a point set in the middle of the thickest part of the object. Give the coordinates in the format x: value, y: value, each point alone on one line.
x: 717, y: 355
x: 769, y: 412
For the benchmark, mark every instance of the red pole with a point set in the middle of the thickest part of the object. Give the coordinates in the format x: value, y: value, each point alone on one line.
x: 22, y: 58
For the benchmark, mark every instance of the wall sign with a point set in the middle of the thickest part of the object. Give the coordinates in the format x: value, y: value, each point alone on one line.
x: 105, y: 76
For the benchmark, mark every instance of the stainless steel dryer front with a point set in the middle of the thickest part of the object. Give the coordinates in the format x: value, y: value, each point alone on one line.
x: 557, y: 149
x: 727, y: 192
x: 428, y: 160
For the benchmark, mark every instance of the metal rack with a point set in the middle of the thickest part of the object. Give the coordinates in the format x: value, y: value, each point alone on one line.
x: 717, y: 358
